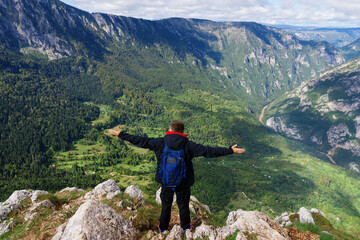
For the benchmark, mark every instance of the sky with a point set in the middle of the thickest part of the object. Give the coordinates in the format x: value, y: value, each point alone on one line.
x: 318, y: 13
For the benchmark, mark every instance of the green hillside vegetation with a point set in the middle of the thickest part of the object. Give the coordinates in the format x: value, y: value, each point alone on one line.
x: 58, y: 112
x: 337, y: 87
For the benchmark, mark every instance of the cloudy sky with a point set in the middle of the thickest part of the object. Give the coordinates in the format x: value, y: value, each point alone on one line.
x: 322, y: 13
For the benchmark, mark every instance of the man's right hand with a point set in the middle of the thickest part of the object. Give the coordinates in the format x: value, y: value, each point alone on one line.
x: 114, y: 132
x: 237, y: 150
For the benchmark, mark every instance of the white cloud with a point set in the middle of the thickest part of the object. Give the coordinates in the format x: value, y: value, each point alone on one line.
x: 336, y: 13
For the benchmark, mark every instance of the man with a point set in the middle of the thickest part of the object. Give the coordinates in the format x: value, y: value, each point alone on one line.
x: 176, y: 139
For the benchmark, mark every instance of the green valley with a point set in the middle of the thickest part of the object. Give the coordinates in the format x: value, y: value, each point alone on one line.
x: 138, y: 75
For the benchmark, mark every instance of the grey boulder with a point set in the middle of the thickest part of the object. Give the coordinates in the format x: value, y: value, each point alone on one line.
x: 96, y: 221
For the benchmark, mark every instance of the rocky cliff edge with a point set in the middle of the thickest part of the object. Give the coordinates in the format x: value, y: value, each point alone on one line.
x: 106, y: 212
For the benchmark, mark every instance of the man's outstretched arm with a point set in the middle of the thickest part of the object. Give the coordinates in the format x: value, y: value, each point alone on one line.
x: 210, y: 152
x: 143, y: 142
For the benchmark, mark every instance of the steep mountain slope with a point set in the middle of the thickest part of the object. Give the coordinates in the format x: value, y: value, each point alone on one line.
x: 352, y: 50
x: 260, y: 62
x: 324, y: 112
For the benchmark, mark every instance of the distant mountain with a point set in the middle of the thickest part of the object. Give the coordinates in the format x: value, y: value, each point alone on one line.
x: 324, y: 113
x: 339, y: 37
x: 259, y: 61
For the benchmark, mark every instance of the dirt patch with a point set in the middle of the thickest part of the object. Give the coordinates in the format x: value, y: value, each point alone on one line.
x: 296, y: 234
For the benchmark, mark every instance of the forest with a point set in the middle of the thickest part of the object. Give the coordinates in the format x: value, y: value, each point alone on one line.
x: 55, y: 116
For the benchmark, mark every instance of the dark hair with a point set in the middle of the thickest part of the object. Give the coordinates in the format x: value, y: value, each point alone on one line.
x: 177, y: 126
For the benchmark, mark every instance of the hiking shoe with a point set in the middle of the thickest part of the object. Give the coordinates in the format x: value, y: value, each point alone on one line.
x: 184, y: 230
x: 160, y: 230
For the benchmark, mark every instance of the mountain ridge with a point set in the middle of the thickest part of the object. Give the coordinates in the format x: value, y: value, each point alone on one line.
x: 267, y: 63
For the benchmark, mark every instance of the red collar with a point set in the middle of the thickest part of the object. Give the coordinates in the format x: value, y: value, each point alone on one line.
x: 181, y: 134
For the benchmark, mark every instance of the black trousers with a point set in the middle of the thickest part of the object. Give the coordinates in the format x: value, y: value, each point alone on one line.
x: 182, y: 199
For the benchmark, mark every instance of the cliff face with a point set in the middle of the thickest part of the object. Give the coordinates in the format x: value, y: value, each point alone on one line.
x: 325, y: 113
x: 107, y: 213
x: 260, y: 61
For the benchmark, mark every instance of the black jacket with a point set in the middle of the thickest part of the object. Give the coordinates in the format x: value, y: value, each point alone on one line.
x: 176, y: 141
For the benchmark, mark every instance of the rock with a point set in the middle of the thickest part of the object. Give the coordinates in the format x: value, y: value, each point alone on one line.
x: 255, y: 223
x: 357, y: 126
x: 36, y: 194
x: 18, y: 196
x: 282, y: 218
x: 108, y: 188
x: 135, y: 192
x: 97, y: 221
x: 337, y: 134
x: 287, y: 224
x: 30, y: 216
x: 150, y: 234
x: 6, y: 209
x: 240, y: 236
x: 6, y: 226
x: 71, y: 189
x: 314, y: 210
x: 354, y: 166
x: 204, y: 230
x: 188, y: 234
x: 279, y: 125
x: 305, y: 216
x: 195, y: 206
x: 46, y: 203
x: 160, y: 236
x: 176, y: 233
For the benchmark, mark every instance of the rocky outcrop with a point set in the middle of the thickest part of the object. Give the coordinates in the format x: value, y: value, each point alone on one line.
x: 256, y: 223
x: 305, y: 216
x: 18, y: 196
x: 6, y: 226
x: 36, y: 194
x: 12, y: 203
x: 176, y: 233
x: 284, y: 219
x: 135, y: 192
x: 71, y: 189
x: 337, y: 134
x: 251, y: 222
x: 87, y: 218
x: 354, y: 166
x: 109, y: 189
x: 95, y: 220
x: 279, y: 125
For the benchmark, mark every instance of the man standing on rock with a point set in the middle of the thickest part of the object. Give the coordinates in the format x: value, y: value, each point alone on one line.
x: 175, y: 139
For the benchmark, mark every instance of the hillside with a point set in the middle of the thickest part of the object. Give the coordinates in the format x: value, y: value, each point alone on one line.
x: 324, y: 113
x: 107, y: 212
x: 352, y: 50
x: 111, y: 71
x: 250, y: 60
